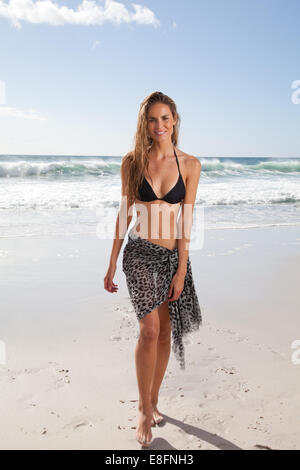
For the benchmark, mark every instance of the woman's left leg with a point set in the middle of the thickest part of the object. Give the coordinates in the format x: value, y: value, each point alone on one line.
x: 162, y: 356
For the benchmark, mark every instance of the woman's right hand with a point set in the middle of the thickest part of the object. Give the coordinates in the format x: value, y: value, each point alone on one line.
x: 109, y: 285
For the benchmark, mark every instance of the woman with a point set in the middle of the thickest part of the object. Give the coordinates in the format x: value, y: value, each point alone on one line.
x: 155, y: 259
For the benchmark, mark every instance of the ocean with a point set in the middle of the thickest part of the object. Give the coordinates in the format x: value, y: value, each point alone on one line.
x: 42, y: 195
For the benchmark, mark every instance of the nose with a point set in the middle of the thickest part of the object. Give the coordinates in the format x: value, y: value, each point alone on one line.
x: 159, y: 125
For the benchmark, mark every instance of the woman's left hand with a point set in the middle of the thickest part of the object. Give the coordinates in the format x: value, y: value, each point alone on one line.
x: 176, y: 287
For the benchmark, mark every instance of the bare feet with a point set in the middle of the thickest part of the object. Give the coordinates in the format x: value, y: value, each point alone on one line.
x: 157, y: 417
x: 143, y: 433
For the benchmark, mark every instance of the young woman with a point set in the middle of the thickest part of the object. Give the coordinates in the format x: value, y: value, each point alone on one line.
x: 159, y: 179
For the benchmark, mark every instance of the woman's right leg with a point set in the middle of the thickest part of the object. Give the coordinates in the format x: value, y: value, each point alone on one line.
x: 145, y: 359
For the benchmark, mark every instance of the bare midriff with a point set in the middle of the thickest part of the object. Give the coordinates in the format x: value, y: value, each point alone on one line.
x: 157, y: 222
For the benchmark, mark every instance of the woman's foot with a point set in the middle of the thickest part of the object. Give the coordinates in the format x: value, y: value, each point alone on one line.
x: 143, y: 433
x: 156, y: 416
x: 152, y: 420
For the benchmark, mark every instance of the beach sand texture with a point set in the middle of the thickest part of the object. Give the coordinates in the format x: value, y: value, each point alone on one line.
x: 69, y: 379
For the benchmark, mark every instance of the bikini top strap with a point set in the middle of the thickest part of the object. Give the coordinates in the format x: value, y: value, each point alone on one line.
x: 177, y: 160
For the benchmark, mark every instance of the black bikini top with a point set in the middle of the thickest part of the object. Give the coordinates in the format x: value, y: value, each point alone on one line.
x: 175, y: 195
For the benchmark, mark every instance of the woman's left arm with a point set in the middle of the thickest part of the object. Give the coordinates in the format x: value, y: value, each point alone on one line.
x: 185, y: 226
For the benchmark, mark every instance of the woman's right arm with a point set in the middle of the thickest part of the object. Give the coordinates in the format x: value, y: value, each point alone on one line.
x: 122, y: 223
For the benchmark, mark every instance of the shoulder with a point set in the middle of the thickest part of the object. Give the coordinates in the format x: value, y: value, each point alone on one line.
x: 189, y: 163
x: 126, y: 162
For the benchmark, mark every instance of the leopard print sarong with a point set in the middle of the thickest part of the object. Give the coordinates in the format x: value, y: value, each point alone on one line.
x: 149, y: 269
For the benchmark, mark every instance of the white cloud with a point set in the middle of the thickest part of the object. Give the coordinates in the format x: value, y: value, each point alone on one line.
x: 89, y: 12
x: 19, y: 114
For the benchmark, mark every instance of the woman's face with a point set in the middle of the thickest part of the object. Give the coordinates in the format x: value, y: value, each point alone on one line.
x: 160, y: 122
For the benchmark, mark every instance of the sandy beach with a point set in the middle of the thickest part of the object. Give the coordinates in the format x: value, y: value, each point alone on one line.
x: 183, y: 117
x: 69, y: 378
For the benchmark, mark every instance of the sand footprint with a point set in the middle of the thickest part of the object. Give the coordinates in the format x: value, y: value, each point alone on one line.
x: 79, y: 424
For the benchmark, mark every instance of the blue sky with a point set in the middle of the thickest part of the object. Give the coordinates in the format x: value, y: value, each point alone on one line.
x: 73, y: 82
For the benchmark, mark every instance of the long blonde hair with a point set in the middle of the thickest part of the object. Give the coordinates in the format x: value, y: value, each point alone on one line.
x: 137, y: 159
